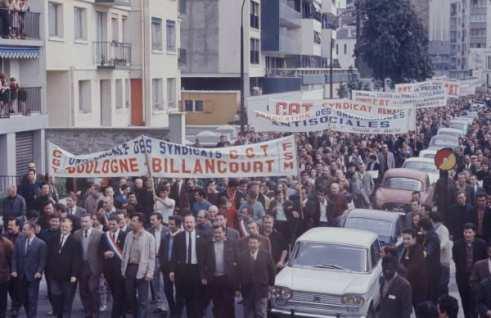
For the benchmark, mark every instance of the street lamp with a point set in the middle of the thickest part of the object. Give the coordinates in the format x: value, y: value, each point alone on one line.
x: 242, y: 104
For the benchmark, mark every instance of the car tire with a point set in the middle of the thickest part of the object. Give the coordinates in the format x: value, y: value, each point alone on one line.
x: 371, y: 312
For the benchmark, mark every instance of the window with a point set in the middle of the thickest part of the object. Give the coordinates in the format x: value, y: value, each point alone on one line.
x: 126, y: 31
x: 157, y: 100
x: 119, y: 93
x: 80, y: 18
x: 255, y: 51
x: 170, y: 34
x: 171, y: 93
x: 193, y: 105
x: 127, y: 96
x: 345, y: 49
x: 55, y: 14
x: 337, y: 49
x: 156, y: 34
x: 254, y: 14
x: 182, y: 6
x: 317, y: 37
x: 115, y: 29
x: 188, y: 105
x: 84, y: 94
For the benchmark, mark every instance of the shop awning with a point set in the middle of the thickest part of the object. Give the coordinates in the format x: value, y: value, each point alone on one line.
x: 17, y: 52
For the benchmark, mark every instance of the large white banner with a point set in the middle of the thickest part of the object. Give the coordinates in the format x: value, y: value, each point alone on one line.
x: 418, y: 95
x: 338, y: 115
x: 158, y: 158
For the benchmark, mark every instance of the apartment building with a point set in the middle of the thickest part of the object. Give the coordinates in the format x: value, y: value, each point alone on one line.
x: 112, y: 63
x: 23, y: 115
x: 439, y: 36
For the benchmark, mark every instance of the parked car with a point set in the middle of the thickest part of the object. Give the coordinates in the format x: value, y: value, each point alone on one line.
x: 450, y: 132
x: 428, y: 153
x: 387, y: 225
x: 459, y: 124
x: 423, y: 164
x: 332, y: 272
x: 443, y: 141
x: 397, y: 186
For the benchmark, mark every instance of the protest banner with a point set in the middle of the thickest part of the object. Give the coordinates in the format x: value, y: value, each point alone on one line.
x: 158, y: 158
x: 322, y: 117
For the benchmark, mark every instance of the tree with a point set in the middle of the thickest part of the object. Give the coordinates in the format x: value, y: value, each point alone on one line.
x: 392, y: 41
x: 342, y: 91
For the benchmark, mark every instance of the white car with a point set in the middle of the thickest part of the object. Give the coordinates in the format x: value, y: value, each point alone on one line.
x: 423, y: 164
x: 443, y: 141
x: 428, y: 153
x: 459, y: 124
x: 332, y: 272
x: 451, y: 132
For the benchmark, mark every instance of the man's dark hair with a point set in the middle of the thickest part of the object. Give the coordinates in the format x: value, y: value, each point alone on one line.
x: 426, y: 309
x: 435, y: 216
x: 253, y: 237
x: 390, y: 259
x: 201, y: 192
x: 216, y: 226
x: 113, y: 217
x: 157, y: 215
x: 16, y: 220
x: 233, y: 183
x: 481, y: 194
x: 409, y: 231
x: 426, y: 224
x: 140, y: 217
x: 177, y: 219
x: 449, y: 305
x: 470, y: 226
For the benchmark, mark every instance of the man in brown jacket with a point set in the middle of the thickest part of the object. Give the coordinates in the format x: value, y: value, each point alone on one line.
x: 6, y: 251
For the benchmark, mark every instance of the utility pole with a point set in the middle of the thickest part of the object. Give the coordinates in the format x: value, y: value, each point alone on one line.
x: 242, y: 99
x: 330, y: 69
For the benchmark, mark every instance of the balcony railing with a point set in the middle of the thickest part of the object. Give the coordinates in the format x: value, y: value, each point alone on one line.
x: 113, y: 2
x: 19, y: 25
x: 25, y: 101
x: 112, y: 54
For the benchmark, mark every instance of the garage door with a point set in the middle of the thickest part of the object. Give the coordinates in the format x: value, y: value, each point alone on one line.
x: 24, y: 144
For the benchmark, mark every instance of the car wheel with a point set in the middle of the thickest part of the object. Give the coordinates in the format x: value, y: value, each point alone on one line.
x: 371, y: 312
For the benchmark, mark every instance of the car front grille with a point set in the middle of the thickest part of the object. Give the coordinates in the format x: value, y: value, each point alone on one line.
x: 315, y: 298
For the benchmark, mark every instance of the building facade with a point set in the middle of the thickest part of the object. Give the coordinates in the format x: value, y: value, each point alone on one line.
x: 23, y: 111
x: 116, y: 62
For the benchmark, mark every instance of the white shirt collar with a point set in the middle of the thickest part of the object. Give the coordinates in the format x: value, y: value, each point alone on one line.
x: 254, y: 255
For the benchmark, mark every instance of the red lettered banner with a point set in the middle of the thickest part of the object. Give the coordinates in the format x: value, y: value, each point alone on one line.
x: 150, y: 156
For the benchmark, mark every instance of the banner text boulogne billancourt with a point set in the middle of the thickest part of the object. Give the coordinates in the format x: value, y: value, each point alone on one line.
x: 133, y: 158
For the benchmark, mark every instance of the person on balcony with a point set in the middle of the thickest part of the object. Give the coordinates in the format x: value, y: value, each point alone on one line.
x: 4, y: 19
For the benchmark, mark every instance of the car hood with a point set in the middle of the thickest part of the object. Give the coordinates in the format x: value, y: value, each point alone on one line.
x: 325, y: 281
x: 387, y: 195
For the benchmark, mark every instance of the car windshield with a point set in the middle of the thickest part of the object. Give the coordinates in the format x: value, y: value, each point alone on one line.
x: 450, y: 133
x: 421, y: 166
x: 429, y: 155
x: 322, y: 255
x: 443, y: 142
x: 401, y: 183
x: 457, y: 125
x: 384, y: 229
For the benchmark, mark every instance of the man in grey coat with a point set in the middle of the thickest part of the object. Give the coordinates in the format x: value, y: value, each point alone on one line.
x: 138, y: 265
x: 90, y: 239
x: 362, y: 187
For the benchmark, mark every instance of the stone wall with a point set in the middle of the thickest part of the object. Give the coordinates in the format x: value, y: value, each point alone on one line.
x: 87, y: 140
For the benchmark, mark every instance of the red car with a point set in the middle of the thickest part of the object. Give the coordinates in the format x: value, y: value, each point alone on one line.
x: 395, y: 191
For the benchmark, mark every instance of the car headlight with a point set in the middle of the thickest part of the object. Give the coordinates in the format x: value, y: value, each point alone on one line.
x: 353, y: 300
x: 281, y: 294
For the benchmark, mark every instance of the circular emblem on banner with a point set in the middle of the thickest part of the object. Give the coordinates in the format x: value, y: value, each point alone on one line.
x: 445, y: 159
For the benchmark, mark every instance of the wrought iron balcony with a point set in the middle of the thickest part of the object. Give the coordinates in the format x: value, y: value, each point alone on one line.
x: 112, y: 54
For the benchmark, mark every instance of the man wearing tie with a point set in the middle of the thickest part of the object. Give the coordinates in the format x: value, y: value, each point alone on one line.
x: 63, y: 267
x: 165, y: 258
x: 187, y: 269
x: 28, y: 266
x: 112, y: 244
x: 90, y: 239
x: 74, y: 212
x: 255, y: 275
x: 220, y: 271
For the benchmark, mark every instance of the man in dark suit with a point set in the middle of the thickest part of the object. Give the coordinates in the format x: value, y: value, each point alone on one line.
x: 431, y: 245
x: 395, y: 291
x: 165, y: 258
x: 187, y: 269
x: 466, y: 252
x: 459, y: 214
x: 480, y: 270
x: 481, y: 217
x: 220, y: 273
x: 484, y: 298
x: 112, y: 244
x: 74, y: 212
x: 28, y: 265
x: 90, y: 240
x: 316, y: 210
x: 255, y: 275
x: 63, y: 268
x: 230, y: 233
x: 158, y: 231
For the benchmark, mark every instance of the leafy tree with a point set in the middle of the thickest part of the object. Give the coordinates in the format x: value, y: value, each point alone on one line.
x: 342, y: 91
x: 392, y: 41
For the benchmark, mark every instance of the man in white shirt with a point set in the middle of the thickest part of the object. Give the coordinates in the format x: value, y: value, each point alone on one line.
x: 446, y: 246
